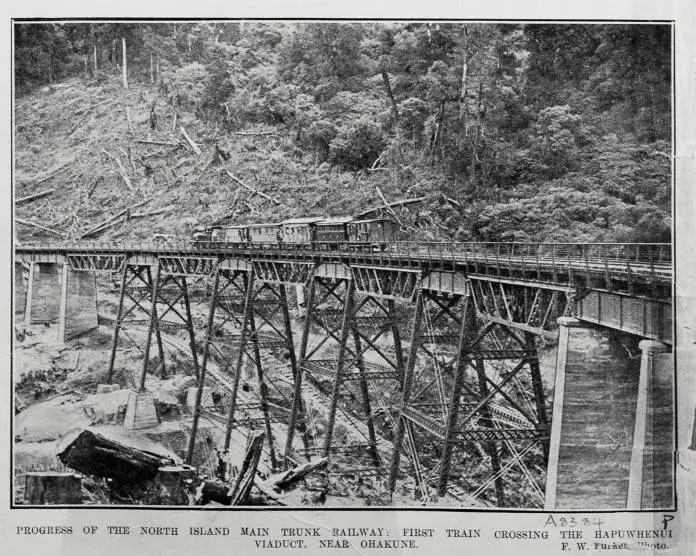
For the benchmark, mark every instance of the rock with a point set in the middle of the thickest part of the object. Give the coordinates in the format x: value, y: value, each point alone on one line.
x: 107, y: 388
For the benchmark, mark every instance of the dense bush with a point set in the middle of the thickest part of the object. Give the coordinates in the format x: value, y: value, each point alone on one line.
x: 357, y: 145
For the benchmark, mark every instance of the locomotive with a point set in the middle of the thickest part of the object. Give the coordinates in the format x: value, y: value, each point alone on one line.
x: 314, y: 232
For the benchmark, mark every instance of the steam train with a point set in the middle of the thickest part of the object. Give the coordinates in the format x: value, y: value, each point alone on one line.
x: 316, y: 232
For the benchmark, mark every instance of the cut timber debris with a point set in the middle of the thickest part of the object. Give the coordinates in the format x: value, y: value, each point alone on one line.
x: 245, y: 480
x: 451, y: 201
x: 148, y: 142
x: 121, y: 169
x: 286, y: 478
x: 88, y: 108
x: 39, y: 226
x: 111, y: 221
x: 213, y: 490
x: 48, y: 174
x: 150, y: 213
x: 386, y: 204
x: 392, y: 204
x: 94, y: 454
x: 34, y: 197
x: 190, y: 141
x: 93, y: 184
x: 259, y: 193
x: 250, y: 133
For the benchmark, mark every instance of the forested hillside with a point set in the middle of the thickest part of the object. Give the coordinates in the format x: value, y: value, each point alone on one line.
x: 511, y: 132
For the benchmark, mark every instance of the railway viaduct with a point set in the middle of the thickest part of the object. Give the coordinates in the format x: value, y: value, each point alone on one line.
x: 434, y: 346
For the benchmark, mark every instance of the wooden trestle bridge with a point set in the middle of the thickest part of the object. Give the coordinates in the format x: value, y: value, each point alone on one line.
x: 431, y: 347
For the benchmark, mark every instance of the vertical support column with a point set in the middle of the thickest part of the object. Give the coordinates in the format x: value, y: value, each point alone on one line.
x: 453, y: 409
x: 301, y: 299
x: 490, y: 446
x: 338, y: 376
x: 365, y: 393
x: 538, y: 386
x: 564, y: 326
x: 290, y: 346
x: 297, y: 405
x: 248, y: 308
x: 396, y: 335
x: 153, y: 324
x: 649, y: 349
x: 117, y: 324
x: 189, y: 326
x: 406, y: 390
x: 204, y: 364
x: 154, y: 319
x: 263, y: 390
x: 141, y: 412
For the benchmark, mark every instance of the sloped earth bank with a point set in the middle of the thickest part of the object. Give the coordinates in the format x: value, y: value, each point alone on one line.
x: 92, y: 143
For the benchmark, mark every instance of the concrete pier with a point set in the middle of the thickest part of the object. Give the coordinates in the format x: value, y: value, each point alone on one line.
x: 594, y: 417
x: 78, y: 304
x: 650, y: 475
x: 141, y: 412
x: 56, y: 294
x: 43, y: 293
x: 20, y: 291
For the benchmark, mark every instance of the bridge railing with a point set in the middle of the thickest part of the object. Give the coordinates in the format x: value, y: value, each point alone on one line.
x: 628, y: 258
x: 658, y: 253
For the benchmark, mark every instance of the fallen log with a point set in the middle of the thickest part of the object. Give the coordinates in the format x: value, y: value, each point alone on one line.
x: 39, y: 226
x: 37, y: 180
x: 257, y: 192
x: 250, y: 133
x: 245, y: 480
x: 270, y: 493
x: 286, y: 478
x: 451, y: 201
x: 195, y: 148
x: 112, y: 220
x: 94, y: 454
x: 87, y: 108
x: 30, y: 198
x: 148, y: 142
x: 387, y: 205
x: 93, y: 184
x: 150, y: 213
x: 392, y: 204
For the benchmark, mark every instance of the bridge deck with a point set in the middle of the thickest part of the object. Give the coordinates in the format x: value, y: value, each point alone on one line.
x: 559, y: 263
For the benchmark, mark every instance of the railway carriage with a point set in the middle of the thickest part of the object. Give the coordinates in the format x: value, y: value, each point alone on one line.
x: 299, y: 231
x: 331, y: 232
x: 320, y: 233
x: 371, y: 233
x: 237, y: 234
x: 265, y: 233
